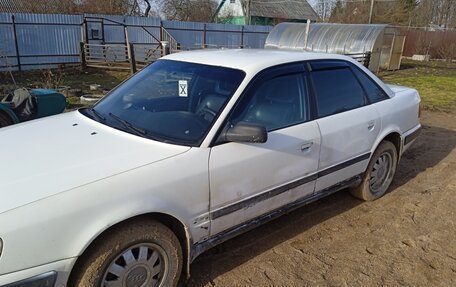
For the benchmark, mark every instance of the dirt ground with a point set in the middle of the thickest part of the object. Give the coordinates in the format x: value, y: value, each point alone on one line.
x: 406, y: 238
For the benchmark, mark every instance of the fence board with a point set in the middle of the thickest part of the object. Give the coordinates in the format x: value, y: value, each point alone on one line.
x: 428, y: 42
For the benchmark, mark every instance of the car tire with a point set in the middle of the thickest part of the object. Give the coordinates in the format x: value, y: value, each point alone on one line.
x: 145, y: 253
x: 4, y: 120
x: 379, y: 173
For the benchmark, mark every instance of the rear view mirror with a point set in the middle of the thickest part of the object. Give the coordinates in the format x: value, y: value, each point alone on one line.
x: 246, y: 132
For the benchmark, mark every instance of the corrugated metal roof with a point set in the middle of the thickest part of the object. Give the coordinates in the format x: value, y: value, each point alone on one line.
x: 283, y: 9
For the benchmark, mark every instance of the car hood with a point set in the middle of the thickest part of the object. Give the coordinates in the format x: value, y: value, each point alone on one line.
x: 51, y: 155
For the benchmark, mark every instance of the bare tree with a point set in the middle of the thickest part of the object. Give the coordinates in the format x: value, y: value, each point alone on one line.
x: 398, y: 12
x: 324, y: 8
x: 148, y: 7
x: 225, y: 15
x: 189, y: 10
x: 245, y: 4
x: 349, y: 12
x: 113, y: 7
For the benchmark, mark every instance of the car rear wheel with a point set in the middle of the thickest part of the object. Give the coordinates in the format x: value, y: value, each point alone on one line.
x: 4, y: 120
x: 142, y: 254
x: 379, y: 173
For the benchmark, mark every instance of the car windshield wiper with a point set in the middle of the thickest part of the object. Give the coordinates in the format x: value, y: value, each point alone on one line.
x: 128, y: 125
x: 97, y: 114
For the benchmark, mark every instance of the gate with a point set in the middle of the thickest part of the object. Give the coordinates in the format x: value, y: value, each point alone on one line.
x: 107, y: 43
x: 105, y: 56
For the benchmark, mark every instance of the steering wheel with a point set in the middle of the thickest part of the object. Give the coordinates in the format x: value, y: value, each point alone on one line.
x: 207, y: 114
x: 133, y: 106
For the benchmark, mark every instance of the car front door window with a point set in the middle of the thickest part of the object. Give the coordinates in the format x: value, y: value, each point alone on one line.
x: 276, y: 103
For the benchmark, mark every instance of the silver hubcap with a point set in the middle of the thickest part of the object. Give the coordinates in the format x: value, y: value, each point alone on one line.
x: 381, y: 172
x: 139, y: 266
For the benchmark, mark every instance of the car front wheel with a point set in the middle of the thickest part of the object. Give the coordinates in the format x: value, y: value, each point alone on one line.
x: 379, y: 173
x: 142, y: 254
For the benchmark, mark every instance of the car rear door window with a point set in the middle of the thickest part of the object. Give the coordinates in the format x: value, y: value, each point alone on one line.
x: 336, y: 90
x: 373, y: 91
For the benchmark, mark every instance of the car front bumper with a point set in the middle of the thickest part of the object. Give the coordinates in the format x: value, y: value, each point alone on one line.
x: 54, y: 274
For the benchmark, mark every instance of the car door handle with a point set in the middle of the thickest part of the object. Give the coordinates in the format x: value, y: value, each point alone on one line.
x: 306, y: 146
x: 371, y: 126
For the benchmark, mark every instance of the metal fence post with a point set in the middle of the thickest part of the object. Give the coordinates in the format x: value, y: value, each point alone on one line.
x: 242, y: 37
x: 83, y: 55
x: 161, y: 39
x: 161, y: 31
x: 166, y: 47
x: 18, y: 56
x: 131, y: 57
x: 86, y: 31
x: 204, y: 37
x: 103, y: 40
x: 127, y: 42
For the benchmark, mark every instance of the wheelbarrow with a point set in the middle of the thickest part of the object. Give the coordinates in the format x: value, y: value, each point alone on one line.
x: 24, y: 105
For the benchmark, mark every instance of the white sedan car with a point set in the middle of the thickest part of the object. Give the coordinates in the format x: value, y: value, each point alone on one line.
x: 193, y: 150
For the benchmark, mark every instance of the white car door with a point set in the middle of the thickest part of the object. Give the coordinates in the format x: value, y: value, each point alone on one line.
x: 250, y: 179
x: 348, y: 123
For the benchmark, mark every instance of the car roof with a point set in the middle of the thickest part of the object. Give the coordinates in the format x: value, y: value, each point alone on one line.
x: 249, y: 60
x: 252, y: 61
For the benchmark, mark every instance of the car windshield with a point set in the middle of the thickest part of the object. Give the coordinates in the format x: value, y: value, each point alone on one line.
x: 169, y: 101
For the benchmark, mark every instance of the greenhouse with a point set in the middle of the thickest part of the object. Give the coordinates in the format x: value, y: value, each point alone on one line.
x: 382, y: 44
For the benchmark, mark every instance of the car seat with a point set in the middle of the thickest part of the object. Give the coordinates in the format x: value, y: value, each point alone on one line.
x: 276, y: 105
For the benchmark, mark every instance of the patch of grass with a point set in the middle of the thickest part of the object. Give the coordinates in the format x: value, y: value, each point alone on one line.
x: 435, y: 81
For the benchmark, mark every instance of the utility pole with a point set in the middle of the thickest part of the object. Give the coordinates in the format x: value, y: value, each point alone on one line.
x: 324, y: 12
x: 371, y: 11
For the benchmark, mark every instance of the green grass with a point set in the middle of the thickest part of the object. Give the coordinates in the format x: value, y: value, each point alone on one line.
x: 435, y: 81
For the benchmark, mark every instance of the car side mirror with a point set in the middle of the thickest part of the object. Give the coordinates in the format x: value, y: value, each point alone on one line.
x: 246, y: 132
